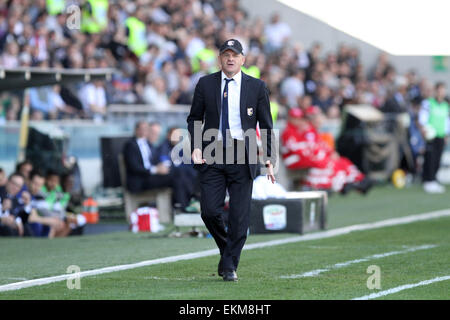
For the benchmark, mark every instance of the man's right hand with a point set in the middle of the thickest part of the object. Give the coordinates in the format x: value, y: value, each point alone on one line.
x: 197, y: 157
x: 8, y: 221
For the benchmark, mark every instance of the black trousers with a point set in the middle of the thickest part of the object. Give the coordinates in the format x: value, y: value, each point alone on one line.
x: 215, y: 180
x: 432, y: 159
x: 178, y: 180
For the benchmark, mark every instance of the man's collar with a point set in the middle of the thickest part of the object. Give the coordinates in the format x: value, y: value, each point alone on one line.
x: 237, y: 77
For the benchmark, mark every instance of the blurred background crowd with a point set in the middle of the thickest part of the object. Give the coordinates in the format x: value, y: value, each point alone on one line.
x: 162, y: 47
x: 159, y: 50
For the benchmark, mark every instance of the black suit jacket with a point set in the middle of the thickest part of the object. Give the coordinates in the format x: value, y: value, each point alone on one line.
x: 136, y: 172
x: 254, y: 107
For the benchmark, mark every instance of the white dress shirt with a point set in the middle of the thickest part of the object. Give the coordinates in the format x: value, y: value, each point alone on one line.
x: 145, y: 153
x: 234, y: 106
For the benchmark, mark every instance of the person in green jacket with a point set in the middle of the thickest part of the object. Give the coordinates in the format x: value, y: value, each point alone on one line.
x: 137, y: 32
x: 94, y: 16
x: 434, y: 119
x: 55, y: 7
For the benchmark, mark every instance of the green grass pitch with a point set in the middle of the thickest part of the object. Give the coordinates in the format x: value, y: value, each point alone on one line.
x: 261, y: 270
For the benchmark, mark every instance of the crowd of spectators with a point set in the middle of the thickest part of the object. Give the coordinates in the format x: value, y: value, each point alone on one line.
x: 177, y: 45
x: 34, y: 203
x: 150, y: 164
x: 160, y: 48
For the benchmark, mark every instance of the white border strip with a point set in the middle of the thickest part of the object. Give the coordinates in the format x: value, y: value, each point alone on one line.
x: 206, y: 253
x: 401, y: 288
x: 339, y: 265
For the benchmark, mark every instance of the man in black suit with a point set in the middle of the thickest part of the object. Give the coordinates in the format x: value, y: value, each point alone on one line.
x: 145, y: 170
x: 229, y: 104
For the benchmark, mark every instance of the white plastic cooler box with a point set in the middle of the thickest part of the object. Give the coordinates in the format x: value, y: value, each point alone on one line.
x: 299, y: 212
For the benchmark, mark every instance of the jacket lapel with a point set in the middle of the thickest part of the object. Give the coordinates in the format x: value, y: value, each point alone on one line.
x: 243, y: 101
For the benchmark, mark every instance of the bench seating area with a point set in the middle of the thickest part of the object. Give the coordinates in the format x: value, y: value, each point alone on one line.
x: 162, y: 197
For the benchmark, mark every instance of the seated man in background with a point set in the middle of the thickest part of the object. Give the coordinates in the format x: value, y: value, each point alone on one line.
x: 55, y: 205
x: 303, y: 148
x: 186, y: 171
x: 11, y: 208
x: 154, y: 133
x: 34, y: 201
x: 24, y: 168
x: 145, y: 171
x: 317, y: 118
x: 3, y: 178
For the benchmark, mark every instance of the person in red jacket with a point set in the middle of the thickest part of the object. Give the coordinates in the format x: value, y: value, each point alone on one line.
x: 304, y: 148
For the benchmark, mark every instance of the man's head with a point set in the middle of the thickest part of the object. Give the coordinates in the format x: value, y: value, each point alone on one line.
x: 154, y: 132
x: 315, y: 116
x: 67, y: 182
x: 231, y: 57
x: 174, y: 135
x: 141, y: 129
x: 37, y: 180
x: 24, y: 168
x: 51, y: 180
x: 440, y: 90
x: 3, y: 179
x: 15, y: 183
x: 296, y: 116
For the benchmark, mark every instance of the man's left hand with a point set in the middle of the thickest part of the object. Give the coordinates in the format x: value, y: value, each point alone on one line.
x: 270, y: 174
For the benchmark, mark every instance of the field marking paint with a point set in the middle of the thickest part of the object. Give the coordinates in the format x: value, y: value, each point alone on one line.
x: 316, y: 272
x: 401, y: 288
x: 212, y: 252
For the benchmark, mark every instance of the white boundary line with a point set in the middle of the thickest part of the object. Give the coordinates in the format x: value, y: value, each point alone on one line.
x: 206, y: 253
x: 339, y: 265
x: 401, y: 288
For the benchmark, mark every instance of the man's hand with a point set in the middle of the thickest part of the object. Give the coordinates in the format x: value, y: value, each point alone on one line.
x: 20, y: 229
x: 161, y: 168
x: 197, y: 157
x: 8, y: 221
x: 270, y: 174
x: 7, y: 204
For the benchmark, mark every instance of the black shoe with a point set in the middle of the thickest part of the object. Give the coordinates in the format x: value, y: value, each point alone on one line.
x: 347, y: 188
x: 365, y: 185
x: 220, y: 268
x: 230, y: 276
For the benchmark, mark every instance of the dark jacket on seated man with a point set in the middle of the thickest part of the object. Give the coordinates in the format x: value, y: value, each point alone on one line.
x: 137, y: 174
x: 145, y: 171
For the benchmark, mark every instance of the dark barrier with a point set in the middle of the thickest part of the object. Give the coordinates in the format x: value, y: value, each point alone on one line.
x: 110, y: 149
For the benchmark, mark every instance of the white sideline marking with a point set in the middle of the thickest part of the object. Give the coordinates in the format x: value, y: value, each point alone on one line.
x: 316, y: 272
x: 206, y: 253
x: 401, y: 288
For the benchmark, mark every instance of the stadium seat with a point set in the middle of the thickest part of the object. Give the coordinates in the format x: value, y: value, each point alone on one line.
x: 162, y: 197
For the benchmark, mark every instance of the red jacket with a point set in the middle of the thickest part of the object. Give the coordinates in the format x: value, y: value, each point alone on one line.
x: 304, y: 149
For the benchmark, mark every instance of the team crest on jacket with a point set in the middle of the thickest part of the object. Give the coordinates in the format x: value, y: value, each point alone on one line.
x: 250, y: 111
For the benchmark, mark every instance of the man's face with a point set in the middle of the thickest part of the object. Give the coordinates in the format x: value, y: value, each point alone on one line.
x: 317, y: 120
x: 300, y: 123
x: 3, y: 179
x: 14, y: 185
x: 142, y: 130
x: 441, y: 92
x: 154, y: 133
x: 231, y: 62
x: 52, y: 182
x: 36, y: 184
x: 26, y: 169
